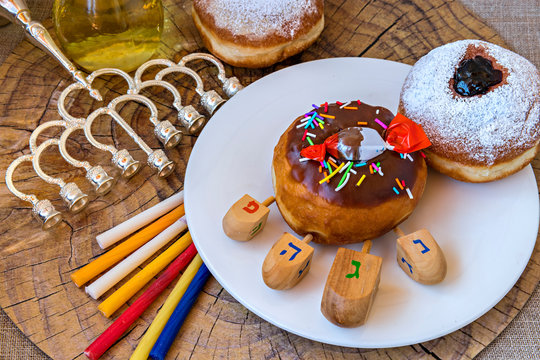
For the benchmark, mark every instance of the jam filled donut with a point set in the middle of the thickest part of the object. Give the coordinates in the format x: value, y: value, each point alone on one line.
x: 479, y: 104
x: 335, y: 177
x: 257, y: 33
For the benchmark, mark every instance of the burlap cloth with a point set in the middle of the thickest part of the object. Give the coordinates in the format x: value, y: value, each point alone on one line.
x: 517, y: 21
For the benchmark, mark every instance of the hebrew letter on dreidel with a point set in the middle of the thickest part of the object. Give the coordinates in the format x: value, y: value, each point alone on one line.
x: 419, y: 251
x: 283, y: 272
x: 347, y: 297
x: 405, y: 261
x: 356, y: 274
x: 251, y: 207
x: 418, y: 241
x: 246, y: 218
x: 296, y: 249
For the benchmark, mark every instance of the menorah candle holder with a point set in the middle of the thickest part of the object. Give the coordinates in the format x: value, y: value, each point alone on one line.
x: 164, y: 130
x: 74, y: 198
x: 43, y: 210
x: 230, y: 85
x: 96, y: 175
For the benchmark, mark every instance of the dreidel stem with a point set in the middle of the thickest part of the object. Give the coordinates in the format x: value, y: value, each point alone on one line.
x: 366, y: 247
x: 307, y: 239
x: 269, y: 201
x: 399, y: 232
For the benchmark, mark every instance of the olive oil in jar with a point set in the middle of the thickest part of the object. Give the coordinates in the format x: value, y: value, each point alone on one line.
x: 97, y: 34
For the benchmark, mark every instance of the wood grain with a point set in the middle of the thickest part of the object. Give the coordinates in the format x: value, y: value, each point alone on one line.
x: 35, y: 289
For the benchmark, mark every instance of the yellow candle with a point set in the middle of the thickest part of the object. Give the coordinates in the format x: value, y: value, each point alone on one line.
x: 137, y: 282
x: 135, y: 241
x: 152, y: 333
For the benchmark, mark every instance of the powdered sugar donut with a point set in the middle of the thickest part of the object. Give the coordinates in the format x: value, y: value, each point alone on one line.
x: 479, y: 104
x: 257, y: 33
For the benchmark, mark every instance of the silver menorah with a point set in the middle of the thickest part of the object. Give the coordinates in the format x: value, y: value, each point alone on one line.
x: 167, y: 134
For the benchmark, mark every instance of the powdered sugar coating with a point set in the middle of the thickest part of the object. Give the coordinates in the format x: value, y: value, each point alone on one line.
x: 259, y: 18
x: 482, y: 129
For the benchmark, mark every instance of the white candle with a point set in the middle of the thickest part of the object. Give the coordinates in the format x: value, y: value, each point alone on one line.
x: 133, y: 224
x: 117, y: 273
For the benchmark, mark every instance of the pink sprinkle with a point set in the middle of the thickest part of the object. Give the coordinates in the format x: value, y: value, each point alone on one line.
x: 358, y: 101
x: 305, y: 134
x: 326, y: 106
x: 403, y: 183
x: 339, y: 103
x: 381, y: 123
x: 375, y: 167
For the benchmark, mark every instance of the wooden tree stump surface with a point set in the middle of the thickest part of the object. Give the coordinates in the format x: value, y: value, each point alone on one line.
x: 35, y: 287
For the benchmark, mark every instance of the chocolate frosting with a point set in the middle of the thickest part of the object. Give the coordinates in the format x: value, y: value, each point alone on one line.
x: 375, y: 189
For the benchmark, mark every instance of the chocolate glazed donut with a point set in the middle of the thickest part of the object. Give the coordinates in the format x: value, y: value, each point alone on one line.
x: 353, y: 213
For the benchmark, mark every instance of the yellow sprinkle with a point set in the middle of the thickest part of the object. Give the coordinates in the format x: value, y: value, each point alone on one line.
x: 332, y: 174
x: 350, y: 107
x: 322, y: 127
x: 361, y: 179
x: 400, y: 186
x: 327, y: 116
x: 362, y: 123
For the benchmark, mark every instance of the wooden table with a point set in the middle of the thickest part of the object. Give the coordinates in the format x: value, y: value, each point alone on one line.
x: 35, y: 289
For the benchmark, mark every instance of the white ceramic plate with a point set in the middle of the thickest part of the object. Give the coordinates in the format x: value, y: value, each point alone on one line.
x: 487, y: 231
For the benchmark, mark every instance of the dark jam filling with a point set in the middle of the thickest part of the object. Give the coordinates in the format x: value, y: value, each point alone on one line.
x: 475, y: 76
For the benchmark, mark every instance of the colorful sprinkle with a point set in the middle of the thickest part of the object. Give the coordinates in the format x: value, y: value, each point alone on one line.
x: 325, y: 164
x: 403, y: 183
x: 380, y: 172
x: 309, y: 114
x: 305, y: 134
x: 332, y: 163
x: 320, y: 168
x: 401, y: 155
x: 309, y: 141
x: 358, y: 101
x: 400, y: 186
x: 328, y: 116
x: 360, y: 164
x: 341, y: 186
x: 326, y: 106
x: 409, y: 157
x: 409, y: 193
x: 370, y: 169
x: 381, y: 123
x: 375, y: 167
x: 343, y: 105
x: 350, y: 107
x: 310, y: 134
x: 339, y: 103
x: 325, y: 175
x: 361, y: 179
x: 315, y: 106
x: 320, y: 125
x: 332, y: 173
x: 353, y: 171
x: 395, y: 190
x: 423, y: 155
x: 303, y: 159
x: 347, y: 167
x: 362, y: 123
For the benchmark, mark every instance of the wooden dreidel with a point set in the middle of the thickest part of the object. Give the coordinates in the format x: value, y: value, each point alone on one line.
x: 246, y: 218
x: 351, y: 286
x: 287, y: 262
x: 420, y: 257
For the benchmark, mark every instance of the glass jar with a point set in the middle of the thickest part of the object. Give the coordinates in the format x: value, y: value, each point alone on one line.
x: 96, y: 34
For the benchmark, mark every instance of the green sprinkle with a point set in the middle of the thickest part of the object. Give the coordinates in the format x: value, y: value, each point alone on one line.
x: 345, y: 174
x: 309, y: 140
